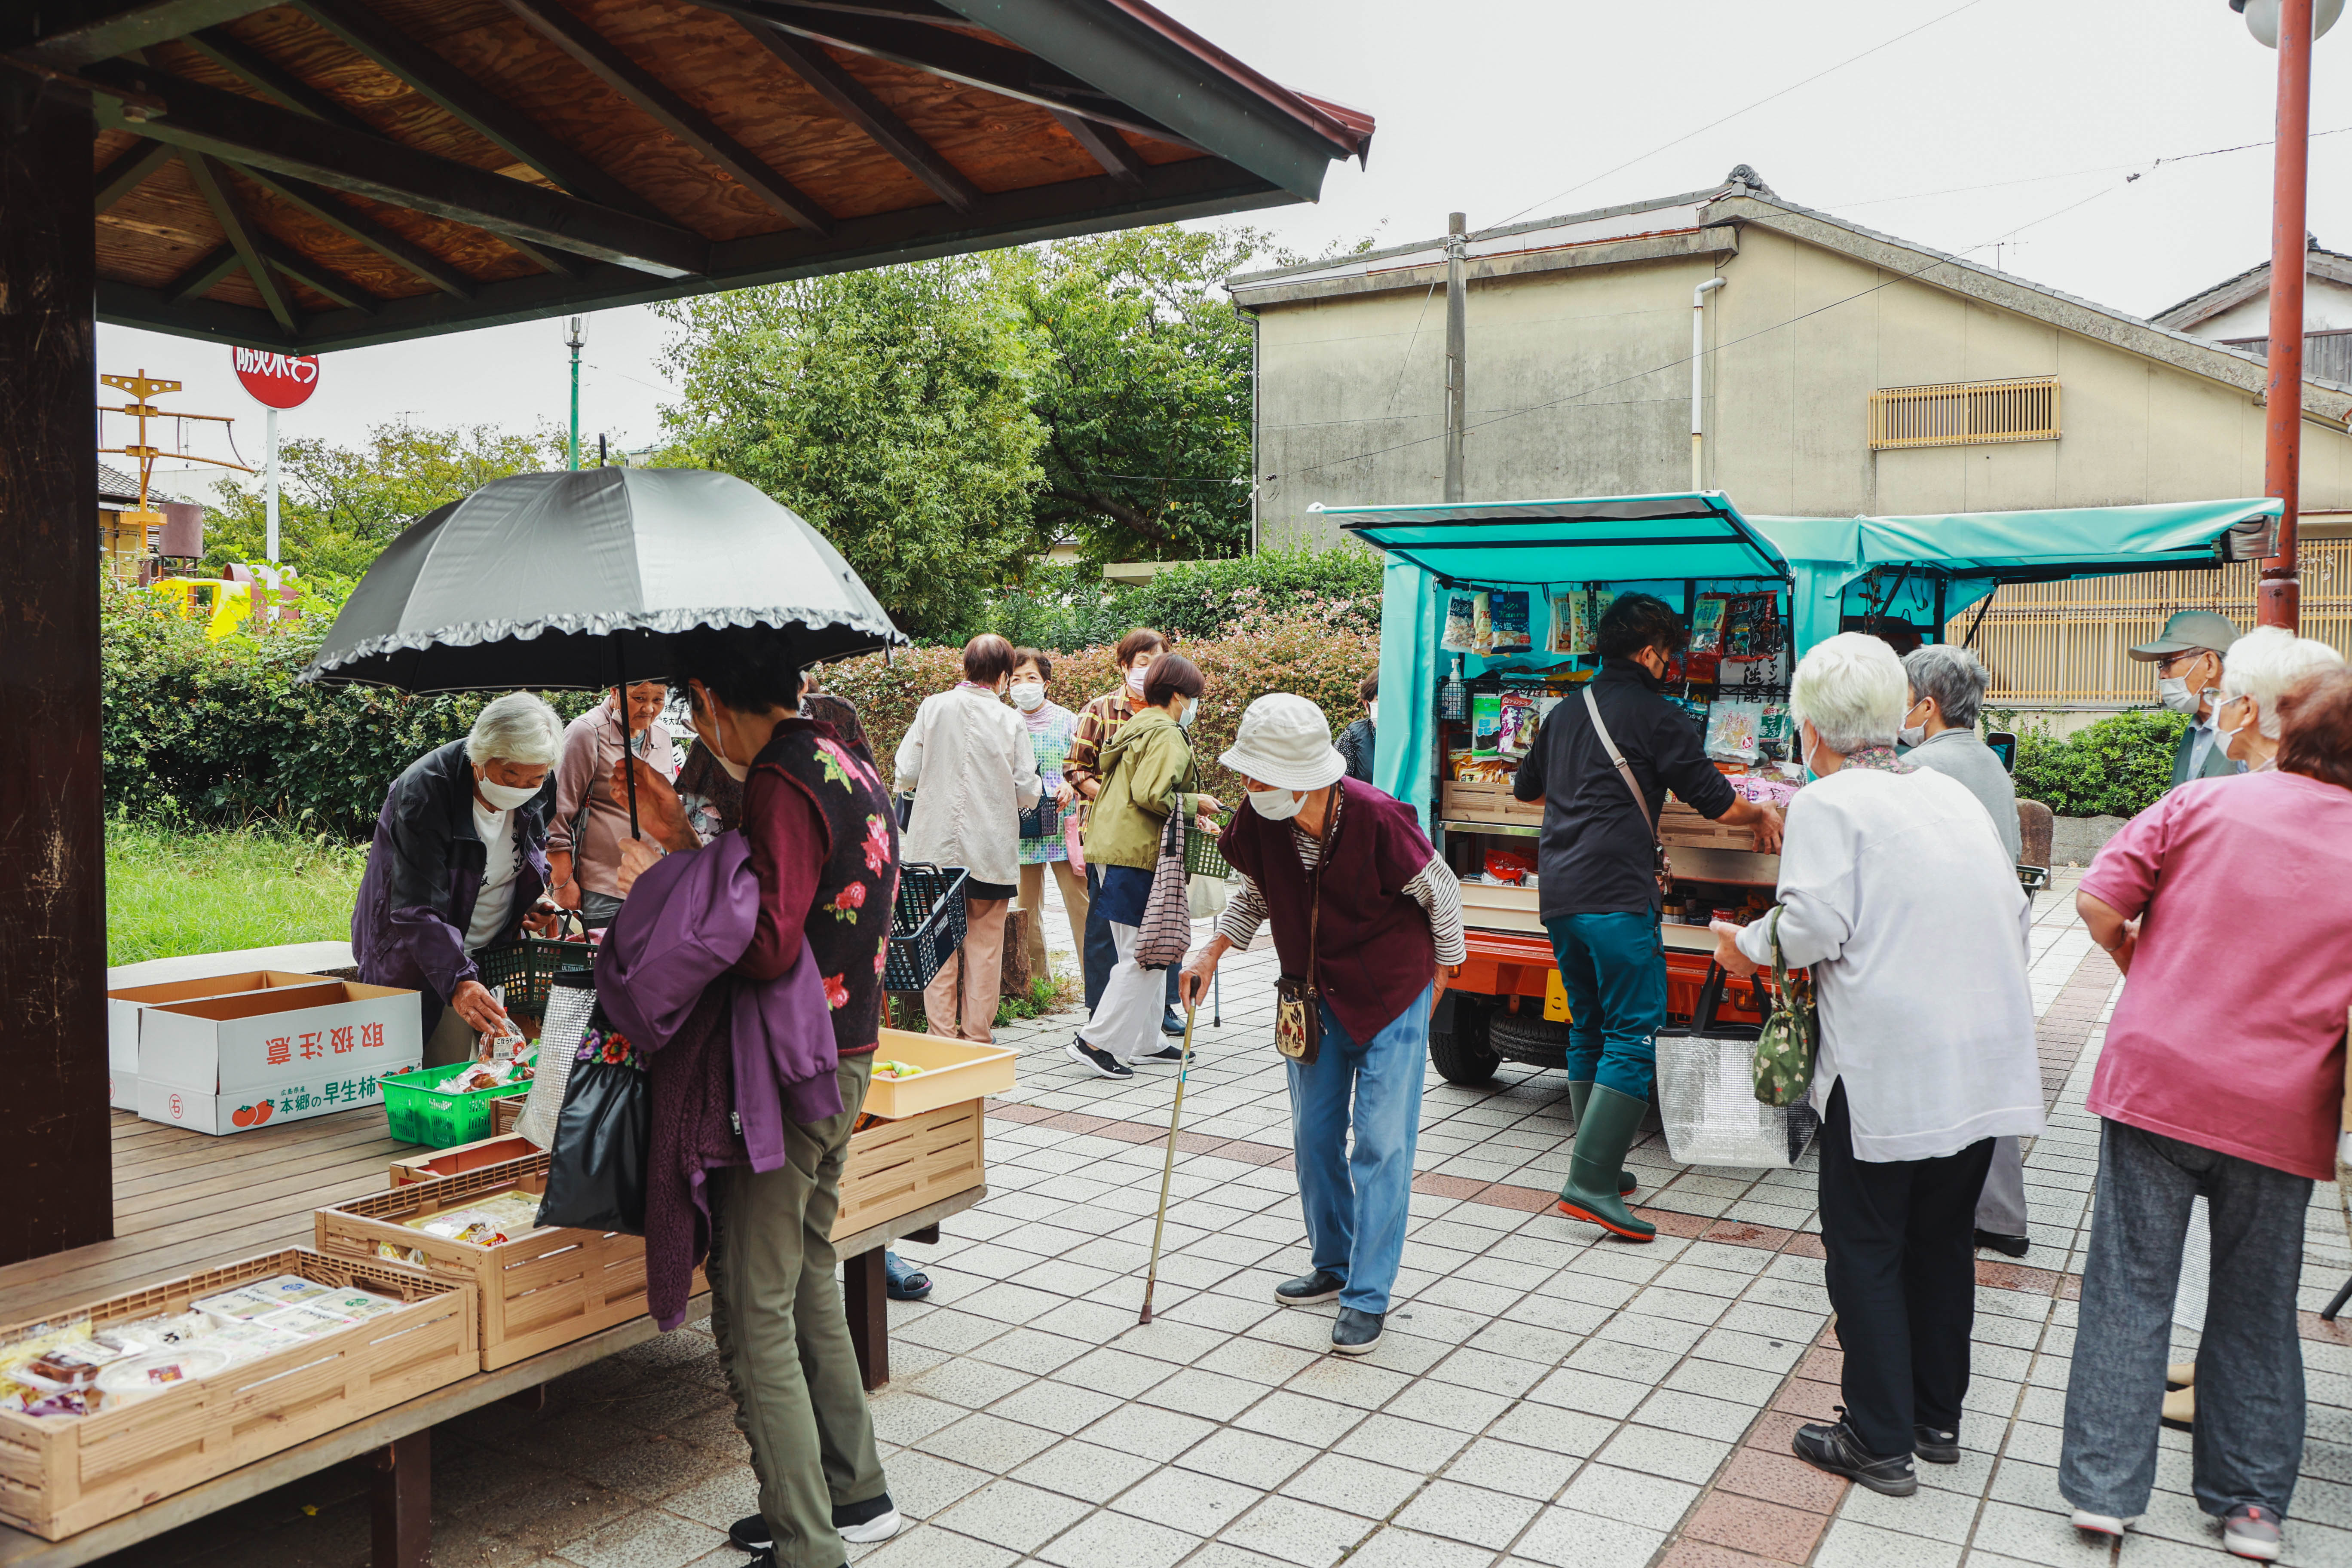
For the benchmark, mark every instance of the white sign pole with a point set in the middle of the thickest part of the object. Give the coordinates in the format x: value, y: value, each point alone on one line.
x: 269, y: 482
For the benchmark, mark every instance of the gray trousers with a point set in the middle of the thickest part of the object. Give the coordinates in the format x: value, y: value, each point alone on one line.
x: 2248, y: 1441
x: 2000, y: 1207
x: 783, y: 1338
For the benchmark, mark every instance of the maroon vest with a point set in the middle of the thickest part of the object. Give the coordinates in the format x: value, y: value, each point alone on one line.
x: 849, y: 921
x: 1375, y: 953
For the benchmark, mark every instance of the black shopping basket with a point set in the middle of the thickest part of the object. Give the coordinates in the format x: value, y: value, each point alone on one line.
x: 925, y: 924
x: 1043, y: 820
x: 527, y: 965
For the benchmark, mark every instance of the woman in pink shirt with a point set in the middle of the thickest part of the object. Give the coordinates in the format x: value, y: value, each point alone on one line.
x: 2229, y: 905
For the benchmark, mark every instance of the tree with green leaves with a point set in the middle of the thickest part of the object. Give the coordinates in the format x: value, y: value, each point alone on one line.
x: 891, y: 408
x: 337, y: 508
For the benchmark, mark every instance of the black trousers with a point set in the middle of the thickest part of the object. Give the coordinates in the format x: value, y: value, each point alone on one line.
x: 1901, y: 1276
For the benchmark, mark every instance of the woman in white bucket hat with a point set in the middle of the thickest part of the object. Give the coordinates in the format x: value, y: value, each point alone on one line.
x: 1362, y: 905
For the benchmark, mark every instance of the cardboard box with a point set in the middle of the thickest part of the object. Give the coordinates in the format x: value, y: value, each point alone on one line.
x: 125, y: 1009
x: 289, y: 1040
x: 294, y: 1099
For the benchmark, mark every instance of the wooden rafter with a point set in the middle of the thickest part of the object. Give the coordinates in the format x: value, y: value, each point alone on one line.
x: 198, y: 279
x: 1105, y: 146
x: 251, y: 66
x: 240, y: 129
x: 459, y: 95
x: 129, y: 171
x: 610, y: 65
x: 323, y: 280
x: 101, y: 33
x: 355, y: 225
x: 851, y: 100
x: 226, y: 212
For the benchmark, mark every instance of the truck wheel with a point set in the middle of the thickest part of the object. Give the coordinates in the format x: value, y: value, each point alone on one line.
x: 1460, y: 1054
x: 1528, y: 1038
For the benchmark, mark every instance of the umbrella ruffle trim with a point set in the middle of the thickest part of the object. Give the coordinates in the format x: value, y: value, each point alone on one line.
x: 475, y: 633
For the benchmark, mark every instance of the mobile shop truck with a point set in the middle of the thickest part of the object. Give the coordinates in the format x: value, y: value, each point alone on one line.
x: 1486, y: 620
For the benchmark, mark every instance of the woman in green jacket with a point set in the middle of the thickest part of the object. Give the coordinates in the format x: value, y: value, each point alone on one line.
x: 1144, y: 766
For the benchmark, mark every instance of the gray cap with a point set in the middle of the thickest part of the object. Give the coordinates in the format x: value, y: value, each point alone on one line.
x: 2187, y: 632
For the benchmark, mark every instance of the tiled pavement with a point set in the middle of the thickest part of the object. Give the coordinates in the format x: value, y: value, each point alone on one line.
x: 1543, y: 1398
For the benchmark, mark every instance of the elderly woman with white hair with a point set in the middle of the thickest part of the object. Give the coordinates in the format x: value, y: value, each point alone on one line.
x: 2261, y: 667
x: 1899, y: 897
x: 460, y: 863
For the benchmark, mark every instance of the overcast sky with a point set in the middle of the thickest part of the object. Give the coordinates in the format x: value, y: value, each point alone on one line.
x: 2017, y: 122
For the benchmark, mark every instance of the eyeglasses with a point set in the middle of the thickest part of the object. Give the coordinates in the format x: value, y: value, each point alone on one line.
x: 2172, y: 661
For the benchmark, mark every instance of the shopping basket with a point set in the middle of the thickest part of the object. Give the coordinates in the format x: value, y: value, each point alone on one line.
x: 1043, y: 820
x: 526, y: 966
x: 1202, y: 857
x: 925, y: 924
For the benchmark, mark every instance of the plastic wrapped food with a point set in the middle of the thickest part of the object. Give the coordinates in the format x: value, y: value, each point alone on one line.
x: 147, y: 1374
x: 157, y: 1334
x: 1463, y: 610
x: 308, y: 1321
x: 1732, y: 731
x: 892, y: 1071
x: 249, y: 1341
x: 1509, y: 611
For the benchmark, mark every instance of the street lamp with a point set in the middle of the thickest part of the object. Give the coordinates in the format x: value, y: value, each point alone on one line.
x: 573, y: 341
x: 2288, y: 26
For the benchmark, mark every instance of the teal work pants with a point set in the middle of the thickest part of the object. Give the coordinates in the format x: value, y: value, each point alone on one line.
x: 1614, y: 968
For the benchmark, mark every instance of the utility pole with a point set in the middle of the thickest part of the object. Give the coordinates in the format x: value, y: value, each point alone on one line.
x: 577, y: 322
x: 1456, y: 335
x: 2278, y: 602
x: 270, y: 484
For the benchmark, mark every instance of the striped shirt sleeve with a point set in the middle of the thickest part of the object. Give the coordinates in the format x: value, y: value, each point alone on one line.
x: 1435, y: 887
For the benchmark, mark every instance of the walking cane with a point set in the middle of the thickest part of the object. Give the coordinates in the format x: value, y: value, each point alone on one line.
x: 1167, y: 1169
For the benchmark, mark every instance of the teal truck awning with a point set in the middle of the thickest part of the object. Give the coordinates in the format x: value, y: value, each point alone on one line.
x: 1595, y: 540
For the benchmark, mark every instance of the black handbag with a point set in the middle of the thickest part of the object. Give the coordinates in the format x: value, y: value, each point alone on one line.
x: 596, y: 1168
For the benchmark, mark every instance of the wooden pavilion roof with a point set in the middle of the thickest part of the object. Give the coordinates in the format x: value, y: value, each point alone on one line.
x: 328, y: 174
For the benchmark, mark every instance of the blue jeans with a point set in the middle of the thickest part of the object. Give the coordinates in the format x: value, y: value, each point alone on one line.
x: 1614, y: 968
x: 1356, y: 1198
x: 1101, y: 958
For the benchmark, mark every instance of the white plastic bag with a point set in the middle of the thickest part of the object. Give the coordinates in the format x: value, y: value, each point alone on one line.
x: 1706, y: 1100
x: 569, y: 1009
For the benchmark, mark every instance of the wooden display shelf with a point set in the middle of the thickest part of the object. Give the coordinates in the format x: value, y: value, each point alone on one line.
x: 1471, y: 804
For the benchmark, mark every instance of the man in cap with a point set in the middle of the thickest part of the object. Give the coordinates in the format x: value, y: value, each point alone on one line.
x: 2188, y: 659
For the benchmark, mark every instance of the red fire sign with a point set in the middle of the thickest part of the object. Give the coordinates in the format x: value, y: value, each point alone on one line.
x: 276, y: 380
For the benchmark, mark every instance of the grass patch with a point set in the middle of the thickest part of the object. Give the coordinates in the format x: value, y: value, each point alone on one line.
x: 172, y: 891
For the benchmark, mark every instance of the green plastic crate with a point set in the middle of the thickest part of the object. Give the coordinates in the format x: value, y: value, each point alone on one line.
x: 418, y: 1115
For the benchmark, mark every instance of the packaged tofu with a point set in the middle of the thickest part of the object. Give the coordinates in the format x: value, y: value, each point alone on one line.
x: 308, y: 1321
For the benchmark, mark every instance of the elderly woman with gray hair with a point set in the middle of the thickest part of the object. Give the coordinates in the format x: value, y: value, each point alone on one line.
x: 1899, y: 896
x: 460, y: 863
x: 2262, y: 667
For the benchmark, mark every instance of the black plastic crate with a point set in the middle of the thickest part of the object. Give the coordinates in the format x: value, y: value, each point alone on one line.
x: 927, y: 924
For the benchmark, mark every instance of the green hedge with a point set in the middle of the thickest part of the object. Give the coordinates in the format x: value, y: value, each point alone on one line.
x: 1065, y: 608
x: 2116, y: 767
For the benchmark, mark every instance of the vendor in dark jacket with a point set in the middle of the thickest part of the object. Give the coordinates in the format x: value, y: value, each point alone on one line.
x: 1597, y: 867
x: 459, y: 863
x: 823, y: 845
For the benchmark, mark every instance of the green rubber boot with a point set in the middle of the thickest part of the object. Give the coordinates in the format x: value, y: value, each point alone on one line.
x: 1608, y: 1128
x: 1578, y: 1094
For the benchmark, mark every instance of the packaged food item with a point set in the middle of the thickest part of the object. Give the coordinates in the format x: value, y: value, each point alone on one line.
x: 1515, y: 733
x: 1482, y: 625
x: 1485, y: 721
x: 1509, y: 614
x: 1751, y: 626
x: 157, y: 1334
x: 239, y: 1305
x: 1468, y: 767
x: 896, y: 1070
x: 360, y: 1305
x: 1562, y: 636
x: 148, y: 1374
x: 69, y: 1365
x: 250, y: 1340
x: 392, y: 1252
x: 470, y: 1226
x: 58, y: 1402
x: 1463, y: 610
x: 1731, y: 730
x: 1509, y: 866
x: 307, y: 1321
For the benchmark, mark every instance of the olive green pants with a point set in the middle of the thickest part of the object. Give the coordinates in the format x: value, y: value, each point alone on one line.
x: 783, y: 1338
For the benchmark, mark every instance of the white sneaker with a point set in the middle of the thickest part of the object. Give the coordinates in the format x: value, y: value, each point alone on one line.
x: 878, y: 1528
x: 2091, y: 1523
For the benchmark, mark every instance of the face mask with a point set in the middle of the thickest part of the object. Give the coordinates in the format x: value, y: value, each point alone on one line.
x: 2172, y: 691
x: 1192, y: 711
x: 1910, y: 735
x: 1028, y: 696
x: 738, y: 771
x: 1807, y: 758
x: 506, y: 797
x: 1135, y: 681
x: 1276, y: 805
x: 2221, y: 737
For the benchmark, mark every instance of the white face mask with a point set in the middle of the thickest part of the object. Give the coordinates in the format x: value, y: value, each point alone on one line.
x: 2224, y: 737
x: 1028, y: 694
x: 1192, y: 711
x: 2172, y: 691
x: 736, y: 770
x: 1276, y: 805
x: 1911, y: 734
x: 1135, y: 679
x: 506, y: 797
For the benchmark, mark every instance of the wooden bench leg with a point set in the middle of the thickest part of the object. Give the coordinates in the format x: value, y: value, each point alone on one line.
x: 403, y: 1502
x: 927, y: 1236
x: 866, y: 1299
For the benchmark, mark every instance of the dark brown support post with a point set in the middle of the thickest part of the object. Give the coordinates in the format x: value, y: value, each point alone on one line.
x: 56, y: 1165
x: 402, y: 1501
x: 866, y: 1299
x: 927, y: 1236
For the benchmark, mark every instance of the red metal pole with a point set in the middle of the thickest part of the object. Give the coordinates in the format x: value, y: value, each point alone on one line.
x: 2278, y: 603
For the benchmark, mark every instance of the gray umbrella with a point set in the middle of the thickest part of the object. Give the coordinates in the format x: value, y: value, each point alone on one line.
x: 565, y: 580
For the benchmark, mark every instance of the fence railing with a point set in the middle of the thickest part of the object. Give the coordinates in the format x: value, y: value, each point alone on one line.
x: 1965, y: 413
x: 2064, y: 645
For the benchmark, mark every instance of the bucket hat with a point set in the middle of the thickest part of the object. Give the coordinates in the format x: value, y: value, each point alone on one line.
x: 1285, y: 742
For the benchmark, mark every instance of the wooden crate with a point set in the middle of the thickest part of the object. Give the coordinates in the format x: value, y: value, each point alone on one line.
x: 537, y: 1290
x: 1498, y: 906
x: 60, y: 1475
x: 896, y: 1167
x: 456, y: 1160
x: 1679, y: 825
x: 1462, y: 802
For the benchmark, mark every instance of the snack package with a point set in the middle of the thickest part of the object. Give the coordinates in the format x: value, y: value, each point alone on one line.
x: 1732, y: 727
x: 1561, y: 635
x: 1485, y: 721
x: 470, y: 1226
x: 1471, y: 768
x: 1515, y: 733
x: 392, y: 1253
x: 1751, y: 626
x: 1510, y: 618
x: 1509, y: 866
x: 1462, y: 612
x: 1482, y: 625
x: 1707, y: 623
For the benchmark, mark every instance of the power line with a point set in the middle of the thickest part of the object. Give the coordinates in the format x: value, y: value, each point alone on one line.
x: 2066, y: 175
x: 1736, y: 114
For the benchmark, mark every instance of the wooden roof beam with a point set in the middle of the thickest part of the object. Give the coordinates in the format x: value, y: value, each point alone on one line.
x: 355, y: 225
x: 198, y: 279
x: 129, y: 171
x: 226, y: 212
x: 250, y: 65
x: 850, y: 98
x: 1105, y: 146
x: 323, y: 280
x: 74, y: 33
x: 459, y: 95
x: 610, y: 65
x: 236, y: 129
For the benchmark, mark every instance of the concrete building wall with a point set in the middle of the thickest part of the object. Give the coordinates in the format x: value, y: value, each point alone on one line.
x: 2326, y: 307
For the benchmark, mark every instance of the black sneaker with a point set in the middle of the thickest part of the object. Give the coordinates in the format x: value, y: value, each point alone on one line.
x: 1164, y: 1054
x: 1838, y: 1451
x: 1933, y: 1447
x: 873, y: 1519
x: 1171, y: 1022
x: 2009, y: 1246
x: 1104, y: 1064
x: 751, y: 1535
x: 1355, y: 1332
x: 1309, y: 1289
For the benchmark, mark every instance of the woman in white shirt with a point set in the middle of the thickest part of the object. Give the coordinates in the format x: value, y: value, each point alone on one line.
x: 968, y: 761
x: 1896, y: 892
